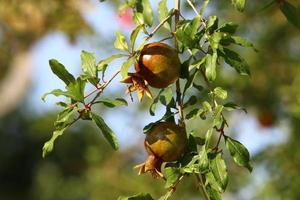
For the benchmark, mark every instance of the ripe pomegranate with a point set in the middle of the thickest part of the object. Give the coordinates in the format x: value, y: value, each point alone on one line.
x: 158, y: 66
x: 165, y: 142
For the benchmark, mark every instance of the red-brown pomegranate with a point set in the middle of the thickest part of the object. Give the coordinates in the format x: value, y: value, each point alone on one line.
x: 158, y: 66
x: 165, y: 142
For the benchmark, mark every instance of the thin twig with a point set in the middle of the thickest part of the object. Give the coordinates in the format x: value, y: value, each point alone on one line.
x: 159, y: 26
x: 197, y: 13
x: 201, y: 186
x: 100, y: 89
x: 173, y: 188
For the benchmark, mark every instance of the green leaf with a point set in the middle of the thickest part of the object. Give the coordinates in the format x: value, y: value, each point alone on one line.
x: 194, y: 113
x: 125, y: 67
x: 239, y: 4
x: 103, y: 63
x: 191, y: 101
x: 134, y: 35
x: 141, y: 196
x: 172, y: 175
x: 203, y: 160
x: 163, y: 13
x: 154, y: 103
x: 207, y: 107
x: 166, y: 96
x: 212, y: 193
x: 190, y: 82
x: 219, y: 170
x: 238, y: 152
x: 56, y: 92
x: 120, y: 42
x: 111, y: 103
x: 75, y: 90
x: 48, y: 146
x: 208, y: 138
x: 291, y: 13
x: 220, y: 93
x: 228, y: 27
x: 88, y: 64
x: 138, y: 18
x: 212, y: 24
x: 147, y: 12
x: 236, y: 61
x: 106, y: 131
x: 218, y: 119
x: 63, y: 117
x: 197, y: 64
x: 60, y: 71
x: 210, y: 66
x: 187, y: 33
x: 215, y: 39
x: 231, y: 106
x: 242, y: 42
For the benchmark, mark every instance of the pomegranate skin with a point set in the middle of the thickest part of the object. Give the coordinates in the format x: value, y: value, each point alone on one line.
x: 166, y: 141
x: 158, y: 64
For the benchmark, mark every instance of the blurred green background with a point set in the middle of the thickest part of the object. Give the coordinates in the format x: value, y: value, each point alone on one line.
x: 83, y: 166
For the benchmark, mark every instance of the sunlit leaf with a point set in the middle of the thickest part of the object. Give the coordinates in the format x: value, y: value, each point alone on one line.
x: 163, y: 13
x: 220, y: 93
x: 172, y: 174
x: 134, y: 35
x: 120, y: 42
x: 238, y: 152
x: 239, y: 4
x: 125, y: 67
x: 88, y: 64
x: 210, y: 66
x: 219, y: 170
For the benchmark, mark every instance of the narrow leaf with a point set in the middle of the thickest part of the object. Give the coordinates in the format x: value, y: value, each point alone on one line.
x: 239, y: 152
x: 141, y: 196
x: 88, y: 64
x: 125, y: 67
x: 134, y: 35
x: 103, y: 63
x: 219, y: 170
x: 163, y: 13
x: 147, y: 12
x: 210, y: 66
x: 48, y: 146
x: 111, y: 103
x: 60, y: 71
x: 75, y: 90
x: 172, y: 174
x: 120, y: 42
x: 291, y: 13
x: 106, y: 131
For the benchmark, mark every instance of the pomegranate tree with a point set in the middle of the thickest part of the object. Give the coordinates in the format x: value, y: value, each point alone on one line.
x: 187, y: 90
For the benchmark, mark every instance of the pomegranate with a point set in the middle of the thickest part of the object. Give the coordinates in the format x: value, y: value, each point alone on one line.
x: 158, y: 66
x: 165, y: 142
